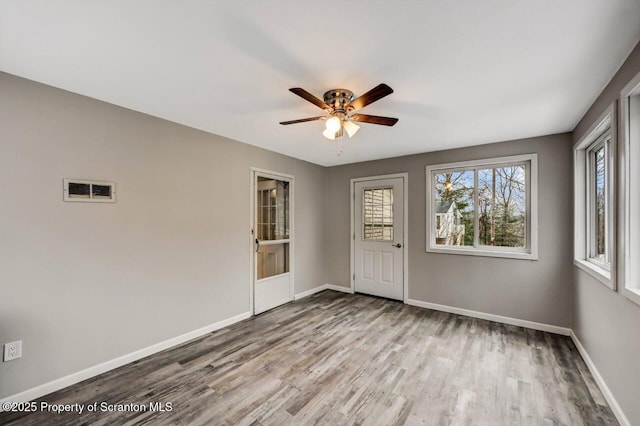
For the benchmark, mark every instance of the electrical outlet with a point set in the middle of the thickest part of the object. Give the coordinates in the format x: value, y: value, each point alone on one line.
x: 12, y: 350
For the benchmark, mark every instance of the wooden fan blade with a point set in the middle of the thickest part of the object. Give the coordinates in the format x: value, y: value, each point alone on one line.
x: 302, y: 120
x: 377, y: 93
x: 309, y: 97
x: 374, y: 119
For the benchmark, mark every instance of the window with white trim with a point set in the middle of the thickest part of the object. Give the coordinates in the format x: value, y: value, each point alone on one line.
x: 630, y: 181
x: 598, y: 205
x: 483, y: 207
x: 594, y: 165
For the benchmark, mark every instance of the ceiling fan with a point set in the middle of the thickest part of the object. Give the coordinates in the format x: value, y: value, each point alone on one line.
x: 340, y: 106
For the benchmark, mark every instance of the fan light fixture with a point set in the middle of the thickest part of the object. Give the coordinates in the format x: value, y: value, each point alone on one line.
x: 335, y: 125
x: 351, y: 128
x: 329, y: 134
x: 341, y: 105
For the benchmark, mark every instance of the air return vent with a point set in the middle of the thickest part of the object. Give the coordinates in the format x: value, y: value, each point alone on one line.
x: 89, y: 191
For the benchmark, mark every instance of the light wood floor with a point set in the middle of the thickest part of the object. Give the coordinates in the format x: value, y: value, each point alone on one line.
x: 336, y: 359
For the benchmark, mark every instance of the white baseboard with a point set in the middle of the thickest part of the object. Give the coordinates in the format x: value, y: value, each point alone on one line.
x: 309, y: 292
x: 339, y: 288
x: 322, y: 288
x: 611, y: 400
x: 491, y: 317
x: 63, y: 382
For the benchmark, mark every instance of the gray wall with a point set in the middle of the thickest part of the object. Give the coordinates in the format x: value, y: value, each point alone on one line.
x: 531, y: 290
x: 84, y: 283
x: 605, y: 321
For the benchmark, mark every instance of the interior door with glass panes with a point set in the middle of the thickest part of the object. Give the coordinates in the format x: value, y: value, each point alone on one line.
x: 379, y: 237
x: 273, y: 283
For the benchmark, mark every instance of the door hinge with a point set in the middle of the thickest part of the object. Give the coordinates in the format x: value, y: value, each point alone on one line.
x: 354, y: 276
x: 354, y: 237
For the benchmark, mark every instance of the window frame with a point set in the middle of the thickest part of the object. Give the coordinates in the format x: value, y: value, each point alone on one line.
x: 603, y: 141
x: 584, y: 201
x: 530, y: 251
x: 629, y: 162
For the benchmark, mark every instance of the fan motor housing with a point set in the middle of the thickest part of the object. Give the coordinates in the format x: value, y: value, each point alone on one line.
x: 338, y: 98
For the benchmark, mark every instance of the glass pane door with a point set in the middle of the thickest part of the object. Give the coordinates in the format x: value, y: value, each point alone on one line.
x: 272, y: 227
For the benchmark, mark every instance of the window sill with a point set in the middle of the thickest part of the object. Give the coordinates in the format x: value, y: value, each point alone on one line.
x: 600, y: 274
x: 632, y: 294
x: 484, y: 253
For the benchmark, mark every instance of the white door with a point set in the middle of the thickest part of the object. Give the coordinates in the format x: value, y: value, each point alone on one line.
x: 273, y: 239
x: 379, y: 237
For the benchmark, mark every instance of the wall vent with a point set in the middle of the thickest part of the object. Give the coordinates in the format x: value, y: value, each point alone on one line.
x: 89, y: 191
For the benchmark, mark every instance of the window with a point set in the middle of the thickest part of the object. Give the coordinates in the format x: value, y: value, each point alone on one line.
x: 377, y: 214
x: 594, y: 159
x: 485, y: 207
x: 598, y: 206
x: 630, y: 180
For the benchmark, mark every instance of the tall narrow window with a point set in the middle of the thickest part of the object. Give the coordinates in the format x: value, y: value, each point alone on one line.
x: 485, y: 207
x: 597, y: 227
x: 594, y: 199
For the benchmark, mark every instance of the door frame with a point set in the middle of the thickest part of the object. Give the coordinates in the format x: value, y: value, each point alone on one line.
x: 252, y: 209
x: 405, y: 231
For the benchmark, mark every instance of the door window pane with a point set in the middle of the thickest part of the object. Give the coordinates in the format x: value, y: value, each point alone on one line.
x: 377, y: 208
x: 454, y: 208
x: 502, y: 206
x: 273, y: 260
x: 272, y: 209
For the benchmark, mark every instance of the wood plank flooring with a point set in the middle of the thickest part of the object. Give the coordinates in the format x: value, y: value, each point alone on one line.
x: 339, y: 359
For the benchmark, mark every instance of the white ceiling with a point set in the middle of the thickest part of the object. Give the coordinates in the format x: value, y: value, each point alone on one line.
x: 464, y: 72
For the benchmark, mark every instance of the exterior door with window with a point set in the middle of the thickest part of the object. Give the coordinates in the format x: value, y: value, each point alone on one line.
x: 379, y: 237
x: 273, y: 282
